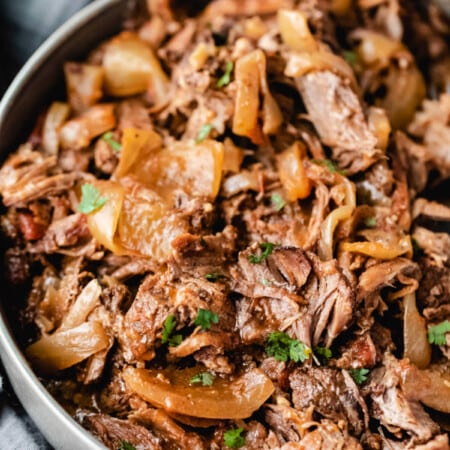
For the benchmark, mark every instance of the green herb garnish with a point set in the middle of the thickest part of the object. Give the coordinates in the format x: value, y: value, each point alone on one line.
x: 324, y: 352
x: 277, y: 202
x: 205, y: 317
x: 370, y: 222
x: 350, y: 57
x: 436, y: 333
x: 283, y: 348
x: 90, y: 199
x: 330, y: 165
x: 108, y: 138
x: 226, y: 77
x: 168, y: 328
x: 234, y: 438
x: 213, y: 276
x: 203, y: 378
x: 204, y: 132
x: 125, y: 445
x: 359, y: 375
x: 267, y: 248
x: 265, y: 282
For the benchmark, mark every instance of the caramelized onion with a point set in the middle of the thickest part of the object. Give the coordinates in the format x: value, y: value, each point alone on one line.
x: 292, y: 172
x: 295, y: 31
x: 63, y: 349
x: 103, y: 222
x: 57, y: 114
x: 325, y: 246
x: 83, y: 305
x: 245, y: 119
x: 233, y: 157
x: 132, y: 68
x: 170, y: 390
x: 380, y: 126
x: 380, y: 250
x: 302, y: 63
x: 416, y: 346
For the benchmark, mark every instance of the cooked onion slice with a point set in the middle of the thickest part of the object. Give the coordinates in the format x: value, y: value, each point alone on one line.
x: 380, y: 250
x: 82, y: 306
x: 57, y: 114
x: 325, y: 248
x: 292, y: 172
x: 295, y: 31
x: 132, y: 68
x: 416, y: 346
x: 236, y: 399
x: 65, y: 348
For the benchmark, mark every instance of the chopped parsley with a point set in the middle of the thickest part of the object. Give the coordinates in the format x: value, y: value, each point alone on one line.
x: 277, y: 202
x: 108, y: 138
x: 359, y: 375
x: 125, y: 445
x: 234, y: 438
x: 330, y: 165
x: 226, y: 77
x: 203, y: 378
x: 203, y: 133
x: 267, y: 248
x: 213, y: 276
x: 283, y: 348
x: 265, y: 282
x: 168, y: 328
x: 350, y: 57
x: 324, y: 352
x: 370, y: 222
x: 436, y: 333
x: 90, y: 199
x: 205, y: 317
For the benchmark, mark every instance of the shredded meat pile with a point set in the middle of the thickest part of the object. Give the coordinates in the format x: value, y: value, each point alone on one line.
x: 226, y: 232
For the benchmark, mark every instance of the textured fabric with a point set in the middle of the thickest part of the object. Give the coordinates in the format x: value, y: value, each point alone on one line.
x: 24, y: 25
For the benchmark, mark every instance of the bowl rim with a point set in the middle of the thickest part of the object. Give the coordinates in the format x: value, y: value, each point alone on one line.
x: 10, y: 353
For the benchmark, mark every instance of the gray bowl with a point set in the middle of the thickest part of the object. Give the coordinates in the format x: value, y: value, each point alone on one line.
x: 39, y: 81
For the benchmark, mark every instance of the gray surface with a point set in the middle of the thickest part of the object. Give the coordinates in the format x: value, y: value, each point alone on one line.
x: 31, y: 89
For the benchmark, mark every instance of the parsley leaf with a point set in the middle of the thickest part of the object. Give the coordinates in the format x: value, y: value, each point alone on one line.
x: 125, y: 445
x: 266, y: 248
x: 436, y: 333
x: 108, y: 138
x: 90, y: 199
x: 226, y: 77
x: 234, y: 438
x: 205, y: 317
x: 370, y: 222
x: 203, y: 378
x: 350, y: 57
x: 203, y: 133
x: 282, y: 347
x: 330, y: 165
x: 168, y: 329
x: 277, y: 202
x: 359, y: 375
x: 324, y: 352
x: 213, y: 276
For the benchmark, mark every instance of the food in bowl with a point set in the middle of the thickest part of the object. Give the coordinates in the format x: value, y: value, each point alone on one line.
x: 225, y: 233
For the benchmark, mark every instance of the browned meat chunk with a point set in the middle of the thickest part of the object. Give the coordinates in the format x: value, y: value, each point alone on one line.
x: 392, y: 408
x: 332, y: 393
x: 337, y: 114
x: 114, y: 432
